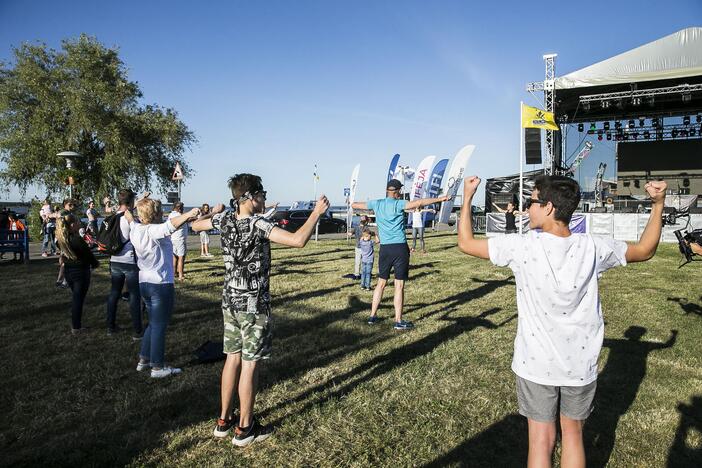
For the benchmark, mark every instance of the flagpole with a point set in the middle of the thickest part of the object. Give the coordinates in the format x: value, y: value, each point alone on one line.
x: 521, y: 162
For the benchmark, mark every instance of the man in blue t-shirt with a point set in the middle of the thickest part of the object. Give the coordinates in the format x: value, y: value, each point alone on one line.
x: 394, y: 253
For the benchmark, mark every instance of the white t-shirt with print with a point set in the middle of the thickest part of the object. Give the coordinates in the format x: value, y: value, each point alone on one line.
x: 560, y: 327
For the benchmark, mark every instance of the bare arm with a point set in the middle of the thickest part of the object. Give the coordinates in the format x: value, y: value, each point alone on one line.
x: 500, y: 209
x: 696, y: 248
x: 424, y: 202
x: 178, y: 221
x: 645, y: 248
x: 300, y: 237
x: 205, y: 223
x: 466, y: 242
x: 359, y: 205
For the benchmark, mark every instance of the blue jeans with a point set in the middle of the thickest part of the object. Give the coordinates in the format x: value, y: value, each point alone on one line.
x: 49, y: 239
x: 78, y: 278
x: 366, y: 269
x: 159, y: 306
x: 119, y: 274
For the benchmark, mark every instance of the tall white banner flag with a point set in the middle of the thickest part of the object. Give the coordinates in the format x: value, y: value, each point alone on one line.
x: 352, y: 194
x: 453, y: 180
x: 421, y: 177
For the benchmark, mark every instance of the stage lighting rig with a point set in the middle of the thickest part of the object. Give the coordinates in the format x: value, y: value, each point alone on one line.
x: 686, y: 120
x: 581, y: 127
x: 606, y: 126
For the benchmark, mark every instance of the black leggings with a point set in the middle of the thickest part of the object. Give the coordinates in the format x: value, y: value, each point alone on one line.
x: 78, y: 278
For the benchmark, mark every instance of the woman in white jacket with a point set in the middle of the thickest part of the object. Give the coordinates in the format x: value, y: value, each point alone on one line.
x: 150, y: 237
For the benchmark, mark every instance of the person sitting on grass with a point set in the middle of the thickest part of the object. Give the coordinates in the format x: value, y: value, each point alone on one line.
x: 154, y: 252
x: 367, y: 257
x: 246, y: 301
x: 560, y: 327
x: 77, y: 261
x: 394, y: 252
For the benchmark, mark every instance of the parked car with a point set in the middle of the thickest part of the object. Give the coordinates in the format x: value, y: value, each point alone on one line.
x: 291, y: 220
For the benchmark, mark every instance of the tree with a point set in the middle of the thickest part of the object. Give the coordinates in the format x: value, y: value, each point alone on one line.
x: 80, y: 99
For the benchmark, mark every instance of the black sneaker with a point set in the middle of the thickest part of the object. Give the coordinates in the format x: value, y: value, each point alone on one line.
x: 124, y: 296
x: 254, y: 433
x: 223, y: 427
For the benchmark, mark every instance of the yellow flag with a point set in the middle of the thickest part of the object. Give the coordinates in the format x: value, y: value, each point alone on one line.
x: 533, y: 117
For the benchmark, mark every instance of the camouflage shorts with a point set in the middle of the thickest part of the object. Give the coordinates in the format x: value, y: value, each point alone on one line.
x: 247, y: 333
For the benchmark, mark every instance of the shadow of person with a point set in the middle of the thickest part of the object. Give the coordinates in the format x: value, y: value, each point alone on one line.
x: 452, y: 303
x: 395, y: 358
x: 687, y: 306
x: 617, y: 386
x: 681, y: 453
x: 504, y: 443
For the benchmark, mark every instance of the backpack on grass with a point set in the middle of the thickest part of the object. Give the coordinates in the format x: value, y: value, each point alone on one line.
x: 109, y: 238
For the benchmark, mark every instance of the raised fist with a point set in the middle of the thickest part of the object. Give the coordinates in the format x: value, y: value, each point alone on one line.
x: 322, y: 205
x: 656, y: 190
x: 470, y: 186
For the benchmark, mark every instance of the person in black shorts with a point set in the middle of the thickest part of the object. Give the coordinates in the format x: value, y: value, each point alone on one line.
x: 394, y: 252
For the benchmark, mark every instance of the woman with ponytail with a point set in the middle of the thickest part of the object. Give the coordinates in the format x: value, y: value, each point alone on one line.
x: 78, y: 259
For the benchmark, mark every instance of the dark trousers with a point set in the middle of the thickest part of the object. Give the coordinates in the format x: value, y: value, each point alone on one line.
x: 78, y: 278
x: 121, y: 273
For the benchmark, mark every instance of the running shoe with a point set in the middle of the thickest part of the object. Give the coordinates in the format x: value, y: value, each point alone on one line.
x: 165, y: 372
x: 372, y: 319
x: 403, y: 325
x: 254, y: 433
x: 224, y: 427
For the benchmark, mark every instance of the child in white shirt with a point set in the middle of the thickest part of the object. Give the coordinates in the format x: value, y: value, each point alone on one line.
x: 560, y: 327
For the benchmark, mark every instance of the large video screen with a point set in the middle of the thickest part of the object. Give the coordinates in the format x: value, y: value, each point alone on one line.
x: 672, y: 155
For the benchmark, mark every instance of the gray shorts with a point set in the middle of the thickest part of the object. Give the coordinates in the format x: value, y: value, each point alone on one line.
x: 543, y: 402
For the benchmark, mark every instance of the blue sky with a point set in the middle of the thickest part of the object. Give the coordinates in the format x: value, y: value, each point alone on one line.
x: 276, y: 87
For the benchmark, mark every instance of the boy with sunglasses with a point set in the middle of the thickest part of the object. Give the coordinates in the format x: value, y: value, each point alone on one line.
x: 560, y: 327
x: 246, y: 237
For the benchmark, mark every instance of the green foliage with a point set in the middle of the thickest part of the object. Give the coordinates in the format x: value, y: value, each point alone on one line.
x: 80, y: 99
x: 34, y: 221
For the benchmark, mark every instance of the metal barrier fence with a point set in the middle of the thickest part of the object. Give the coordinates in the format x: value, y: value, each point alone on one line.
x: 479, y: 224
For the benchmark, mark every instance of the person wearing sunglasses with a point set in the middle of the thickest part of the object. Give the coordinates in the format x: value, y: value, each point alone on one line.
x: 246, y: 301
x: 560, y: 327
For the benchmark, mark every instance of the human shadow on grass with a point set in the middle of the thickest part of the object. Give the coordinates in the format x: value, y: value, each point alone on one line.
x: 687, y: 306
x: 397, y: 357
x: 504, y: 443
x: 453, y: 302
x: 617, y: 386
x: 681, y: 453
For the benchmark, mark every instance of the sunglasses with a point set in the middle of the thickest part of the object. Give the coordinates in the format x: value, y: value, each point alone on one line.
x: 531, y: 201
x: 261, y: 194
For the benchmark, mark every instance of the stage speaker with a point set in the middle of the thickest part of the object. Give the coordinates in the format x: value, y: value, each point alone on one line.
x: 532, y: 145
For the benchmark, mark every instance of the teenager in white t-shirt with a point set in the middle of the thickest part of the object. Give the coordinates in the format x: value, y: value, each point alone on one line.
x: 560, y: 327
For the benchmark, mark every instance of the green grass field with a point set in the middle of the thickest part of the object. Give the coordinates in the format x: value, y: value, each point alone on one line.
x: 341, y: 392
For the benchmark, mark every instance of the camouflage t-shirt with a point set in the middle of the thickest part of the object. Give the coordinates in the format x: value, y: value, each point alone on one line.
x: 247, y: 261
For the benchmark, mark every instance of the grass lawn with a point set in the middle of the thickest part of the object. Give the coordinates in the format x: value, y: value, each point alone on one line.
x: 341, y: 392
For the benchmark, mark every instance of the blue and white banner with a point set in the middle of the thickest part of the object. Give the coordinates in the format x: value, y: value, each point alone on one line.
x: 393, y: 165
x: 434, y: 185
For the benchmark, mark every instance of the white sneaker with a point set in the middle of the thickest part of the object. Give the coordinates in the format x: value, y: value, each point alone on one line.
x: 165, y: 372
x: 143, y: 366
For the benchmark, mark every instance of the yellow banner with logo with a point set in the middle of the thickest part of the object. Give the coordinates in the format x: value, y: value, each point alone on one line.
x: 533, y: 117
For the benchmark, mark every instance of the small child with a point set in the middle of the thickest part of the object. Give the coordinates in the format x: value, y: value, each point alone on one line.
x: 366, y: 246
x: 204, y: 236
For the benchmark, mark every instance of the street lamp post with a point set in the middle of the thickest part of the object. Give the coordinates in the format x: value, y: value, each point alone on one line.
x: 71, y: 157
